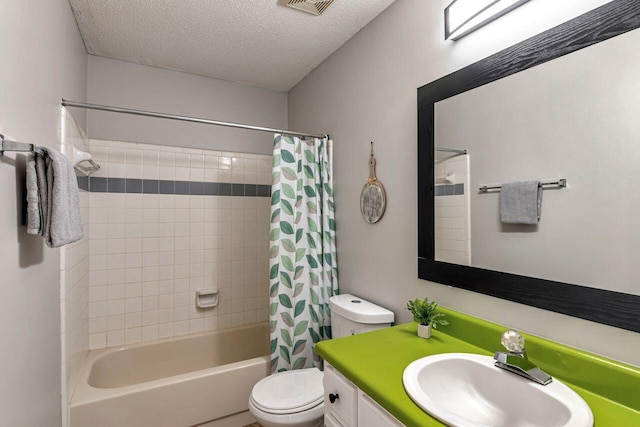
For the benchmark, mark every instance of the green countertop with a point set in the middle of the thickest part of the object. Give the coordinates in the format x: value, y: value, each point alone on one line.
x: 375, y: 361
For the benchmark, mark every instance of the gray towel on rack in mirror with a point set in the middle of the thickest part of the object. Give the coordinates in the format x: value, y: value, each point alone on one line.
x: 520, y: 202
x: 59, y: 199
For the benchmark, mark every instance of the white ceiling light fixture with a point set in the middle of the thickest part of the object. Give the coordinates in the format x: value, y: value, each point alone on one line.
x: 314, y: 7
x: 462, y: 17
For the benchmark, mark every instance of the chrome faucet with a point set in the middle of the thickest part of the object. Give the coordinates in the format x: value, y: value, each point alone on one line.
x: 516, y: 361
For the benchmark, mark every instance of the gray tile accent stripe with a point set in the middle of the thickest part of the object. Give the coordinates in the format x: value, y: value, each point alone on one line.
x: 98, y: 185
x: 196, y: 188
x: 182, y: 187
x: 224, y: 189
x: 211, y: 188
x: 133, y: 185
x: 116, y: 185
x: 150, y: 186
x: 449, y: 190
x: 167, y: 187
x: 237, y: 189
x: 250, y: 190
x: 83, y: 182
x: 263, y: 191
x: 154, y: 186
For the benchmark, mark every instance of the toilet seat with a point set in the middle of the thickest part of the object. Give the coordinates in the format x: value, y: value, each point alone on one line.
x: 289, y: 392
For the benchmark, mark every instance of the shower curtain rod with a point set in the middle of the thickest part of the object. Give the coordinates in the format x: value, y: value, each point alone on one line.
x: 67, y: 103
x: 450, y: 150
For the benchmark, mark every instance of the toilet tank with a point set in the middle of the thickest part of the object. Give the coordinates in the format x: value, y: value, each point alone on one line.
x: 351, y: 315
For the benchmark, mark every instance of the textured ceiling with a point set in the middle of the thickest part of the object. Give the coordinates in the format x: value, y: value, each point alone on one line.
x: 257, y: 42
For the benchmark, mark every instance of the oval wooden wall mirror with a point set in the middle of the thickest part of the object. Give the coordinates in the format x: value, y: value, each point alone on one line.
x: 373, y: 199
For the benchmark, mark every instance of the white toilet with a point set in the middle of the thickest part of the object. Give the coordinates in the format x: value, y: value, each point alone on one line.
x: 295, y: 398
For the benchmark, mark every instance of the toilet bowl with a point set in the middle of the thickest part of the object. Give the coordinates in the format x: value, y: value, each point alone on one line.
x: 292, y: 399
x: 295, y: 398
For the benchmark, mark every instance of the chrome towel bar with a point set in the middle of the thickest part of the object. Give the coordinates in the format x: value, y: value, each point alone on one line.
x: 15, y: 146
x: 78, y: 158
x: 560, y: 183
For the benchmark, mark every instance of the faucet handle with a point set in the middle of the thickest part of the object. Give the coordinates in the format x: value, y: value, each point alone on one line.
x: 513, y: 341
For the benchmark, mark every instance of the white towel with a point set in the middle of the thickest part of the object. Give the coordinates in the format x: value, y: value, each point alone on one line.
x: 58, y: 218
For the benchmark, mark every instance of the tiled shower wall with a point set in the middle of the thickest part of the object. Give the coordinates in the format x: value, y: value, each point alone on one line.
x: 452, y: 210
x: 165, y: 222
x: 74, y: 280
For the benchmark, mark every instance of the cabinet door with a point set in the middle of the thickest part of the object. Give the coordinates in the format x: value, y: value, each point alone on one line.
x: 330, y: 421
x: 371, y: 414
x: 340, y: 397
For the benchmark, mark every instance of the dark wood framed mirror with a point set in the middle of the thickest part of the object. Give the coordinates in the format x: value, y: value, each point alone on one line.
x: 609, y: 307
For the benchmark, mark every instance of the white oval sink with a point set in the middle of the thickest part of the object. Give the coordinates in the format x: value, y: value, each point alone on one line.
x: 467, y: 390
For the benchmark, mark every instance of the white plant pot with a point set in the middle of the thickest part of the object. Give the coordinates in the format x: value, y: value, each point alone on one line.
x: 424, y: 331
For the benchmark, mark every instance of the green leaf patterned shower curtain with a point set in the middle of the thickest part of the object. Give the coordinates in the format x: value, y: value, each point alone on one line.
x: 303, y: 266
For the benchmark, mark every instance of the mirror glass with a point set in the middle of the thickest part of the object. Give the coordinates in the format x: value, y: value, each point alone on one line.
x: 576, y: 117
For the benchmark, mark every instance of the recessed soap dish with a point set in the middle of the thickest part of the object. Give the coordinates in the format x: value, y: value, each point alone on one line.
x: 206, y: 298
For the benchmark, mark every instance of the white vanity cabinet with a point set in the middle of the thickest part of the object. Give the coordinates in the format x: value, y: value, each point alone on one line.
x: 371, y: 414
x: 340, y: 398
x: 347, y: 406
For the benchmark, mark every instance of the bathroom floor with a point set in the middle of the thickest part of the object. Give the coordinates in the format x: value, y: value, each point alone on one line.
x: 253, y: 425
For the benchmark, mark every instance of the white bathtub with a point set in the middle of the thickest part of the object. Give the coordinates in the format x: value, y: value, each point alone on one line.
x: 178, y: 382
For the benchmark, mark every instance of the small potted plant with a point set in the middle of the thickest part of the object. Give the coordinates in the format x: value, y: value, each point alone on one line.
x: 426, y: 314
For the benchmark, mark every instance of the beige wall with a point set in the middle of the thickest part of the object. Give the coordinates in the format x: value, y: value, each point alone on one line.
x: 43, y: 59
x: 367, y: 91
x: 123, y: 84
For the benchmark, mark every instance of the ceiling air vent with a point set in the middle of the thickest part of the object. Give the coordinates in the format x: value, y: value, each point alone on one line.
x: 315, y: 7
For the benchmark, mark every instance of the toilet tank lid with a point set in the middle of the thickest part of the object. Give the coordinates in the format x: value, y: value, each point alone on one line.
x: 359, y: 310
